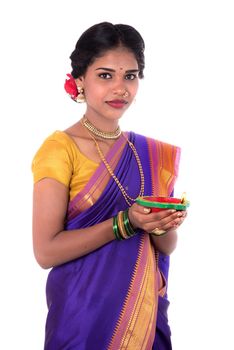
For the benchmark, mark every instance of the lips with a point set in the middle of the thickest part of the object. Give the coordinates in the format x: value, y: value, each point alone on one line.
x: 117, y: 103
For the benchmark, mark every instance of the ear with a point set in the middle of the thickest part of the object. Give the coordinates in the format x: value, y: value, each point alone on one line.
x: 80, y: 81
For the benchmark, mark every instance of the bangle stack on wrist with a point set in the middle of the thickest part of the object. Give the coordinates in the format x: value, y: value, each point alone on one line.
x: 122, y: 227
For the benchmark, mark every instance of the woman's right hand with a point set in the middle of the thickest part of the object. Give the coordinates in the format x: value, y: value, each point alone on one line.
x: 142, y: 217
x: 167, y: 220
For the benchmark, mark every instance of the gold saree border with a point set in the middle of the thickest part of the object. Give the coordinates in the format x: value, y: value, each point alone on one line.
x: 135, y: 328
x: 83, y: 202
x: 164, y: 161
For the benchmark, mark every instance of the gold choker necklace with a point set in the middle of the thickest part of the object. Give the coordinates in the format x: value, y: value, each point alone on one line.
x: 102, y: 134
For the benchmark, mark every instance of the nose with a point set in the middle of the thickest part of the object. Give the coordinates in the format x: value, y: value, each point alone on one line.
x: 119, y: 86
x: 121, y: 90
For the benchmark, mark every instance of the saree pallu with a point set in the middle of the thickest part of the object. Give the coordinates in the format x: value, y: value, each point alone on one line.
x: 109, y: 299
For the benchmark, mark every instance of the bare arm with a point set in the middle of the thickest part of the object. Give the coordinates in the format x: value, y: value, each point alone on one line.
x: 166, y: 243
x: 52, y: 245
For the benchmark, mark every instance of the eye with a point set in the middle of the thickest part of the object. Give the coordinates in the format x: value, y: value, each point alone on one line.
x: 130, y: 76
x: 105, y: 75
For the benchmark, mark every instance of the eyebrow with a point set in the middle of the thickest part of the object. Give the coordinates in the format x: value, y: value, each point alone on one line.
x: 113, y: 70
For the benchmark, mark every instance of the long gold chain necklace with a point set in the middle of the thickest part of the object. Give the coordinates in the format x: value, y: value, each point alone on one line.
x: 126, y: 196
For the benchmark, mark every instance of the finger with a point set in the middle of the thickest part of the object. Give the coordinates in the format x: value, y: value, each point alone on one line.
x: 175, y: 223
x: 141, y: 209
x: 174, y: 215
x: 170, y: 221
x: 180, y: 222
x: 173, y: 218
x: 162, y: 214
x: 149, y: 220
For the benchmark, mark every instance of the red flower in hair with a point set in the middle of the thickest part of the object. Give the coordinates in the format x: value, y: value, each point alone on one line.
x: 71, y: 87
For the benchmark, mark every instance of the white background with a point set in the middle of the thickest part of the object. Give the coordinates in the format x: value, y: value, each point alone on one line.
x: 186, y: 99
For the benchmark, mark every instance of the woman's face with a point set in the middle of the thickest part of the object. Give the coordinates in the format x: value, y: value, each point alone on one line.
x: 110, y: 84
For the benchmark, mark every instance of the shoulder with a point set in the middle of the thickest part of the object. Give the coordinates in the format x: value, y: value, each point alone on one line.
x: 153, y: 143
x: 58, y: 142
x: 57, y: 148
x: 59, y: 137
x: 55, y: 158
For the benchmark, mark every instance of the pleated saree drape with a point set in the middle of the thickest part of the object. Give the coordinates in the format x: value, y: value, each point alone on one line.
x: 114, y: 297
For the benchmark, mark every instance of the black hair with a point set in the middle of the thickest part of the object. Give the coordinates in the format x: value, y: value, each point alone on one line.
x: 104, y: 36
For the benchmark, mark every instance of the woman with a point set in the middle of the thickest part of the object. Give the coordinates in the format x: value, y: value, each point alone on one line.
x: 107, y: 286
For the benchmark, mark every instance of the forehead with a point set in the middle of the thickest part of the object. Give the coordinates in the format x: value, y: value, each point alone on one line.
x: 119, y: 58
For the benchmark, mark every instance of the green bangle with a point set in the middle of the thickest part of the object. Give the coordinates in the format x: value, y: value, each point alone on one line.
x: 128, y: 227
x: 120, y: 222
x: 116, y: 229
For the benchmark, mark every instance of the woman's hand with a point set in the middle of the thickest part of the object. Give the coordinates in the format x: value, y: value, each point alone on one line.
x: 167, y: 220
x: 142, y: 217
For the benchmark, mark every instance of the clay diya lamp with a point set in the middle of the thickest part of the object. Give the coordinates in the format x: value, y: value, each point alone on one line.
x: 160, y: 203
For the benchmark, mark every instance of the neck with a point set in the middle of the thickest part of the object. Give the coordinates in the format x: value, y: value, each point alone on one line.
x: 104, y: 134
x: 101, y: 122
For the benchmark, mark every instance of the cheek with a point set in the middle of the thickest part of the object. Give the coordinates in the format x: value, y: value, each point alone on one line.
x: 134, y: 89
x: 93, y: 92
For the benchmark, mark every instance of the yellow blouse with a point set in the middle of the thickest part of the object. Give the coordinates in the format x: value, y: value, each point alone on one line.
x: 60, y: 158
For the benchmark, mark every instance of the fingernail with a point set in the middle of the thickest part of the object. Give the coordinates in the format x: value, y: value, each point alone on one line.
x: 146, y: 210
x: 173, y: 211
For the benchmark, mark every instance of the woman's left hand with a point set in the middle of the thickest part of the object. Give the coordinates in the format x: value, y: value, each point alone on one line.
x: 142, y: 217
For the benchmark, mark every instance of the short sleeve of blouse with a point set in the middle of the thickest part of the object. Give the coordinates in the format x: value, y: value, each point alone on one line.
x: 54, y: 159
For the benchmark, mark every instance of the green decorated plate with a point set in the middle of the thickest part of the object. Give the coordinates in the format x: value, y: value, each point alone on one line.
x: 160, y: 203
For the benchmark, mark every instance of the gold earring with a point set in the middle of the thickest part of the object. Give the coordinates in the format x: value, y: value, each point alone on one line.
x: 81, y: 97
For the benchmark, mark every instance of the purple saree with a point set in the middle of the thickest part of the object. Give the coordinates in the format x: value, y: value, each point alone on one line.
x: 113, y: 298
